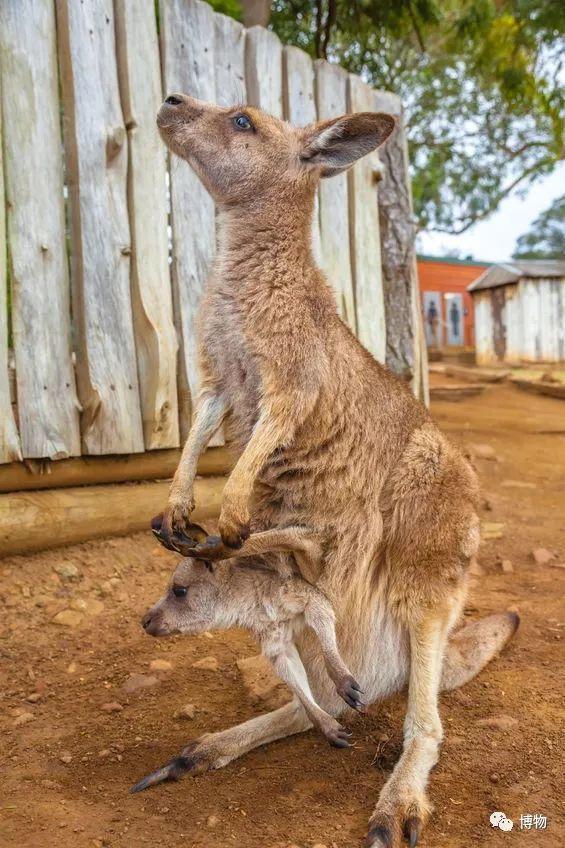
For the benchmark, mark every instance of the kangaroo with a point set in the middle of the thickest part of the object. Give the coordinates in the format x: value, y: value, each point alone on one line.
x: 201, y: 596
x: 329, y: 439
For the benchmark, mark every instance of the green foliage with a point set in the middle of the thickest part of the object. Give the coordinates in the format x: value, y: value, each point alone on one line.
x: 479, y: 80
x: 546, y: 238
x: 232, y: 8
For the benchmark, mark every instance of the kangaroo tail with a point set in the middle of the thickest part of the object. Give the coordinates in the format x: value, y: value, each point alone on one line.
x: 475, y: 645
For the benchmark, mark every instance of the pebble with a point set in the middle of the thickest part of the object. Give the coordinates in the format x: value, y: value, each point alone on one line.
x: 494, y: 777
x: 188, y: 711
x: 67, y: 571
x: 91, y: 606
x: 160, y: 665
x: 68, y: 618
x: 506, y: 566
x: 207, y: 663
x: 139, y: 681
x: 72, y: 667
x: 212, y: 821
x: 23, y: 718
x: 542, y: 556
x: 112, y: 707
x: 34, y: 697
x: 65, y: 757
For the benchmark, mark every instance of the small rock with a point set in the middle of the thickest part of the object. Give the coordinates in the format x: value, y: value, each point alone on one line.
x: 72, y: 667
x: 160, y: 665
x: 112, y: 707
x: 67, y: 571
x: 542, y: 556
x: 462, y: 698
x: 34, y: 697
x: 261, y: 682
x: 212, y: 821
x: 494, y: 777
x: 136, y: 682
x: 50, y: 784
x: 207, y: 663
x: 499, y: 722
x: 506, y: 566
x: 68, y: 618
x: 23, y: 718
x: 65, y: 757
x: 484, y: 452
x: 188, y: 711
x: 104, y: 753
x: 91, y: 606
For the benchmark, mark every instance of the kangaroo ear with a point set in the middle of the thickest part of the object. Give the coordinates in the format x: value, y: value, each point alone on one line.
x: 335, y: 145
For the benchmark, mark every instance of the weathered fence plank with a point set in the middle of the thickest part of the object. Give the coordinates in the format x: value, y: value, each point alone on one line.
x: 229, y: 54
x: 141, y: 93
x: 263, y: 70
x: 47, y: 402
x: 300, y: 109
x: 364, y: 232
x: 96, y: 146
x: 406, y: 352
x: 331, y: 97
x: 187, y: 39
x: 10, y: 448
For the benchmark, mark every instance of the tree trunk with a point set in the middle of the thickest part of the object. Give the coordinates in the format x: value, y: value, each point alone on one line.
x: 256, y: 12
x: 405, y: 349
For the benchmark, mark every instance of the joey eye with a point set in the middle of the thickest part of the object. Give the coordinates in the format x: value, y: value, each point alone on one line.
x: 180, y: 591
x: 242, y: 122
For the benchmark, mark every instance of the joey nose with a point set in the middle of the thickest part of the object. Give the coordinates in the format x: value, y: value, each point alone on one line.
x: 173, y: 100
x: 146, y: 620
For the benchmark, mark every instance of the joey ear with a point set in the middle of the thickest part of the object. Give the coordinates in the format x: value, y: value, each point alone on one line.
x: 209, y: 565
x: 197, y: 533
x: 336, y: 144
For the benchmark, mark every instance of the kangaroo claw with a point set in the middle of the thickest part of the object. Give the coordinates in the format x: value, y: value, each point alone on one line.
x: 171, y: 771
x: 412, y: 830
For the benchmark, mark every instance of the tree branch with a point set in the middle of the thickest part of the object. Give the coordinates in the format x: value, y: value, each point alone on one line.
x: 480, y: 216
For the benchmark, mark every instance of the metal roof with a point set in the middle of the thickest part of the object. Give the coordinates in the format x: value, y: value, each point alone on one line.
x: 510, y: 272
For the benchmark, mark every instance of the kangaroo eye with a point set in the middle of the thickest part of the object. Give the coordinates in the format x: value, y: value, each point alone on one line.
x: 180, y: 591
x: 242, y: 122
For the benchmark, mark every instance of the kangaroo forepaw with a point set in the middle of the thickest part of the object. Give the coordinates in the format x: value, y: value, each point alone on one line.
x: 351, y: 692
x: 211, y: 549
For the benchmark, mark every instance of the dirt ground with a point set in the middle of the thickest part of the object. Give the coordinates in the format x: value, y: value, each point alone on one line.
x: 67, y: 762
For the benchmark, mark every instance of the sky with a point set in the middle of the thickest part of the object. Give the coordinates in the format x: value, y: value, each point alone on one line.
x: 494, y: 239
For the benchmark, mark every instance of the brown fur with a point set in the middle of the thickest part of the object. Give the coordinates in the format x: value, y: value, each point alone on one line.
x: 327, y: 437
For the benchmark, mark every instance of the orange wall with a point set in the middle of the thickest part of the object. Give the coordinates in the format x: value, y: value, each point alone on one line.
x: 443, y: 276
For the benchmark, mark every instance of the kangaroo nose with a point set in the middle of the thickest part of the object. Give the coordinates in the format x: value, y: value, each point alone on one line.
x: 146, y: 620
x: 173, y: 100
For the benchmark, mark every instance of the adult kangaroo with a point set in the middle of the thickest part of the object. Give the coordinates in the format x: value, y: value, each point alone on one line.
x: 328, y: 439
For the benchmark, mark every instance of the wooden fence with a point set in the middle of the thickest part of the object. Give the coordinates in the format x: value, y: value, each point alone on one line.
x: 103, y: 275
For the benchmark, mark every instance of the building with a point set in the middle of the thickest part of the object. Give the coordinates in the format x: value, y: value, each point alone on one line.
x: 520, y: 312
x: 447, y: 306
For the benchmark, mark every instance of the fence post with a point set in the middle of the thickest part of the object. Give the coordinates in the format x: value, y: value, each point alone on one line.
x: 140, y: 86
x: 365, y: 242
x: 10, y: 449
x: 187, y: 45
x: 331, y: 97
x: 96, y: 146
x: 47, y: 402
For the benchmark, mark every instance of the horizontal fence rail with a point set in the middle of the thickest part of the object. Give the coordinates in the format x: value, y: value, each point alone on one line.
x: 106, y: 241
